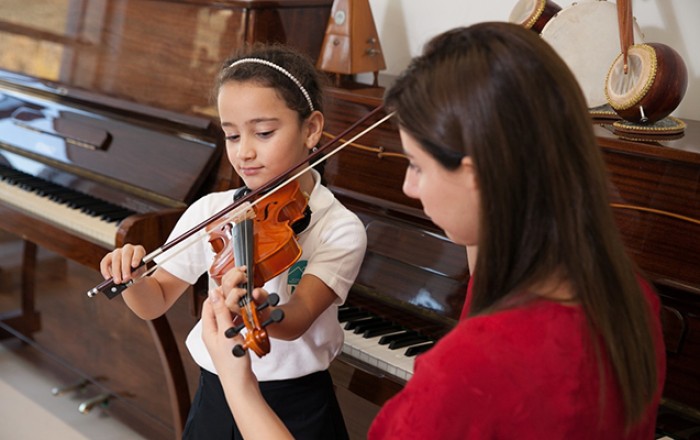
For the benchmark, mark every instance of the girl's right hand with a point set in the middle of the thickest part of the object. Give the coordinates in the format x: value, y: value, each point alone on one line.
x: 119, y: 263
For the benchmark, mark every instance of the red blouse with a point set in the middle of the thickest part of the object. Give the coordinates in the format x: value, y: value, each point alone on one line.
x: 526, y: 373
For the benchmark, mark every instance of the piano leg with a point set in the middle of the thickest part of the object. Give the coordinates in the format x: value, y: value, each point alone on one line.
x: 25, y: 320
x: 175, y: 376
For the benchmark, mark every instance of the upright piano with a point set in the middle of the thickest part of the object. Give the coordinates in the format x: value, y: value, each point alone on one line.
x: 107, y: 133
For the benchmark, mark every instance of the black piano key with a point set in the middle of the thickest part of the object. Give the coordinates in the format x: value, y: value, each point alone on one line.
x: 351, y: 313
x: 362, y: 327
x: 374, y: 332
x: 98, y: 209
x: 117, y: 215
x: 65, y: 196
x: 406, y: 342
x: 418, y: 349
x: 74, y: 199
x: 384, y: 340
x: 350, y: 325
x: 49, y: 190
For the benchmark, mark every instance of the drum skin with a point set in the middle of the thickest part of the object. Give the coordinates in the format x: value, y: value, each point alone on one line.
x: 586, y: 36
x: 659, y: 92
x: 534, y: 14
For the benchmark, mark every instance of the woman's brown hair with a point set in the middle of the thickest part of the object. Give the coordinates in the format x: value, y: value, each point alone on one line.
x: 498, y: 93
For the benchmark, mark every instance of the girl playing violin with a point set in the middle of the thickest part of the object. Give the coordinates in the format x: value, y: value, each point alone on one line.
x: 270, y: 105
x: 560, y: 337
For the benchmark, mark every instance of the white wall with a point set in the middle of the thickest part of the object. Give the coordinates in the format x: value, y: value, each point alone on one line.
x: 405, y: 25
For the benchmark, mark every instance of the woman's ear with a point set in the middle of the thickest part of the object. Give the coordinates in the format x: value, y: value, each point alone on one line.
x: 469, y: 170
x: 313, y: 127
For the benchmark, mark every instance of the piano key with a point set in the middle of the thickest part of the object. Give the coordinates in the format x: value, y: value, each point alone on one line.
x: 372, y: 345
x: 91, y: 228
x: 385, y: 340
x: 371, y: 333
x: 349, y: 314
x: 418, y: 349
x: 350, y: 325
x: 367, y: 350
x: 363, y: 327
x: 407, y: 342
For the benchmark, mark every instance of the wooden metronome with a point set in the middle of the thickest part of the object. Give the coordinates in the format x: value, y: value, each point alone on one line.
x: 351, y: 43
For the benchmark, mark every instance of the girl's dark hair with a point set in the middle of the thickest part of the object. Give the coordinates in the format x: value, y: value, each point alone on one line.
x: 297, y: 64
x: 498, y: 93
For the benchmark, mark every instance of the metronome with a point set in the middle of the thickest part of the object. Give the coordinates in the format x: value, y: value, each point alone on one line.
x: 351, y: 43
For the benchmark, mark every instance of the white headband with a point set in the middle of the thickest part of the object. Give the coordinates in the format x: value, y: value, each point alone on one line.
x: 280, y: 69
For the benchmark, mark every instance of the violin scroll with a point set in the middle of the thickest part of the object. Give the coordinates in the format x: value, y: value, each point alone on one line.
x: 256, y: 339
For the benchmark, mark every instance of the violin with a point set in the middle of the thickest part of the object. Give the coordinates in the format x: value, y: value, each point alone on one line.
x: 266, y: 244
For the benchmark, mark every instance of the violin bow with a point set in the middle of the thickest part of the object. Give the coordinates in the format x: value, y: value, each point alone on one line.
x: 110, y: 289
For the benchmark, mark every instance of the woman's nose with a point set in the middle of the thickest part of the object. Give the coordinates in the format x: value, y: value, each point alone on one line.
x: 409, y: 186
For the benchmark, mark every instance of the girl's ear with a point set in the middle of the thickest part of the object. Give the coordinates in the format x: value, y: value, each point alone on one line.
x: 313, y: 129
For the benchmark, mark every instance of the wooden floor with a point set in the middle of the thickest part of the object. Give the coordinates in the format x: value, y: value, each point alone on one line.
x: 30, y: 411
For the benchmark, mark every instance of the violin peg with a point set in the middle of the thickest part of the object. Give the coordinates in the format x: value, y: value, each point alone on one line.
x: 275, y: 316
x: 233, y: 331
x: 273, y: 299
x: 238, y: 351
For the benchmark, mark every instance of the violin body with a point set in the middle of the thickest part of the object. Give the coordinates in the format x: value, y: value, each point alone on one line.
x: 275, y: 245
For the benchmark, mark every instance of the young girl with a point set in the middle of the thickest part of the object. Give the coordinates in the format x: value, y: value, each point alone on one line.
x: 270, y: 105
x: 560, y: 336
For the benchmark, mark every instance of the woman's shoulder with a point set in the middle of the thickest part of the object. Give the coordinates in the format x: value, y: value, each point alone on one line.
x: 511, y: 337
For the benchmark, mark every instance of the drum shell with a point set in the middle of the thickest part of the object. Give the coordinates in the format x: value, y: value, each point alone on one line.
x: 665, y: 92
x: 550, y: 10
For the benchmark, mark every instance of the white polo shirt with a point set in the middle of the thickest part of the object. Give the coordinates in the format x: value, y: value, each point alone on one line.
x: 333, y: 247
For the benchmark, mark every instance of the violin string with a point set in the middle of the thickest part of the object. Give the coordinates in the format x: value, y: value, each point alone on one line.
x: 247, y: 234
x: 184, y: 245
x: 327, y: 156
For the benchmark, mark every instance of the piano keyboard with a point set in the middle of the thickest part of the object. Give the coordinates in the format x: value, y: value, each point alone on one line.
x: 85, y: 216
x: 381, y: 343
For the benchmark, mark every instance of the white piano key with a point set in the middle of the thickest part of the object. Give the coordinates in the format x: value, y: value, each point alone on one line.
x: 371, y: 352
x: 93, y: 229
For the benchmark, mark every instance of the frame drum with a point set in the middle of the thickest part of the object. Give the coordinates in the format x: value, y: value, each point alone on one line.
x: 533, y: 14
x: 586, y: 36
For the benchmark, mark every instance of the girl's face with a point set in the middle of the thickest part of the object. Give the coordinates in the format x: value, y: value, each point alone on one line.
x: 450, y: 198
x: 264, y: 137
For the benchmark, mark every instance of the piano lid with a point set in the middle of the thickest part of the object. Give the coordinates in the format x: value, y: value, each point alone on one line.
x: 157, y: 157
